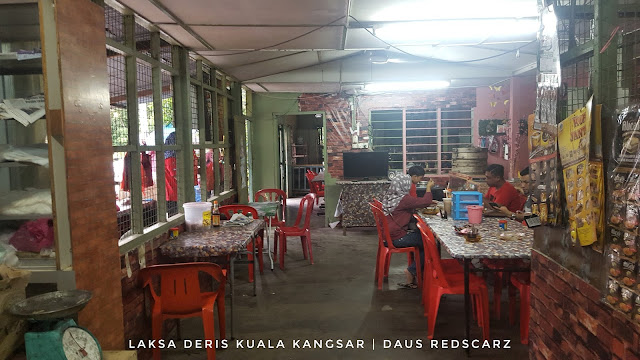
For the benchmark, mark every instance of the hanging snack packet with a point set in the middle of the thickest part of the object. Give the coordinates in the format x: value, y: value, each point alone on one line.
x: 613, y: 292
x: 615, y: 265
x: 628, y: 272
x: 617, y: 239
x: 626, y: 303
x: 629, y: 249
x: 636, y: 310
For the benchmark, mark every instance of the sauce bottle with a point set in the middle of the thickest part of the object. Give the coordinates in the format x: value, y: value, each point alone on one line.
x: 215, y: 215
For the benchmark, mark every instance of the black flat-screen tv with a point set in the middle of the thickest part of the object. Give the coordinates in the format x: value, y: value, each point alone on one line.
x: 365, y: 165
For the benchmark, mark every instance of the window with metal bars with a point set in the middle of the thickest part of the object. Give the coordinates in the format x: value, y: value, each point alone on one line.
x: 143, y: 124
x: 424, y: 137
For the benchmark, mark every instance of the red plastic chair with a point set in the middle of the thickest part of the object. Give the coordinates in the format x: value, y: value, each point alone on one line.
x: 314, y: 186
x: 181, y: 297
x: 450, y: 266
x: 522, y: 282
x: 227, y: 211
x: 384, y: 252
x: 441, y: 283
x: 305, y: 209
x: 274, y: 195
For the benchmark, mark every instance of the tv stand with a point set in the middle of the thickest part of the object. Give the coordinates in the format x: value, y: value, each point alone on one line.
x: 355, y: 197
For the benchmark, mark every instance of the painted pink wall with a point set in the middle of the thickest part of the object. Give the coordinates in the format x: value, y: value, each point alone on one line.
x: 490, y: 104
x: 513, y: 99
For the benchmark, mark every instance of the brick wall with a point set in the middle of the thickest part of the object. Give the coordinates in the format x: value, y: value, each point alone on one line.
x: 86, y: 130
x: 569, y: 320
x: 338, y: 114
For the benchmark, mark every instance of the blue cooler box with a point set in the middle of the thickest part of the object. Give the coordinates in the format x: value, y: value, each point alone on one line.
x: 462, y: 199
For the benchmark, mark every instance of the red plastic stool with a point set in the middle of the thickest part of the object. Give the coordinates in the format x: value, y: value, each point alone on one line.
x: 522, y: 282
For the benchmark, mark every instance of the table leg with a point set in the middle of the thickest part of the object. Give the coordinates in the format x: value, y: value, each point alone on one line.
x: 269, y: 231
x: 232, y: 274
x: 256, y: 265
x: 467, y: 303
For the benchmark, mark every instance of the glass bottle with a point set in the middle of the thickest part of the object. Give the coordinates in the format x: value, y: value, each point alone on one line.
x: 215, y: 215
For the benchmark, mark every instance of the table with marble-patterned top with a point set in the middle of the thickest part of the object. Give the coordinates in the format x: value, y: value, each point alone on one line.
x: 216, y: 241
x: 490, y: 246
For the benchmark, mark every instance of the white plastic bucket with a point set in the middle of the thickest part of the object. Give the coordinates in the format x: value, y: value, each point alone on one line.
x: 197, y: 215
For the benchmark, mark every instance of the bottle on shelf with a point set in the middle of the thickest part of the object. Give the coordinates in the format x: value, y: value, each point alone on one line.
x: 215, y: 215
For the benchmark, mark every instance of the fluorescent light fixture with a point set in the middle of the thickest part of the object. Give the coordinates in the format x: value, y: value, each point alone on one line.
x: 406, y: 86
x: 456, y: 9
x: 443, y: 31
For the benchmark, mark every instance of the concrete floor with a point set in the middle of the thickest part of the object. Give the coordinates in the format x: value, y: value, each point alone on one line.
x: 336, y: 298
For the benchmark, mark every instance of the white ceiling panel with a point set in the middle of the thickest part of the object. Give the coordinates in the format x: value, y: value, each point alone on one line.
x: 304, y: 87
x: 258, y: 37
x: 288, y: 64
x: 402, y: 10
x: 248, y: 72
x: 147, y: 10
x: 252, y: 12
x: 181, y: 35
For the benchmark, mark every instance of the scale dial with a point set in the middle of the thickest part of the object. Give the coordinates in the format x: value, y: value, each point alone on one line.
x: 79, y: 344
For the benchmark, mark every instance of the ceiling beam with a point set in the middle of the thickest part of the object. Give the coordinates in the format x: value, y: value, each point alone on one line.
x: 178, y: 21
x: 305, y: 66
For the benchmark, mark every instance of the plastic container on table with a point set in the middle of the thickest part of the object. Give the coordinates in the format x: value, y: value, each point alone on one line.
x: 197, y: 215
x: 462, y: 199
x: 474, y: 213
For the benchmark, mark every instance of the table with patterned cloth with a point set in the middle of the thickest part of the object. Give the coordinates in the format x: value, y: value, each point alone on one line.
x: 490, y: 246
x: 354, y: 200
x: 216, y: 241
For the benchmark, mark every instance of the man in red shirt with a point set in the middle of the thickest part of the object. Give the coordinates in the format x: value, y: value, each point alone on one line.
x: 500, y: 191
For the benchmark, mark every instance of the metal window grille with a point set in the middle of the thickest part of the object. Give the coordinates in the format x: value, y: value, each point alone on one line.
x: 146, y: 128
x: 118, y: 98
x: 576, y: 79
x: 423, y: 137
x: 221, y: 117
x: 208, y: 115
x: 149, y: 188
x: 195, y: 129
x: 192, y: 68
x: 114, y: 25
x: 166, y: 55
x: 143, y: 39
x: 206, y: 74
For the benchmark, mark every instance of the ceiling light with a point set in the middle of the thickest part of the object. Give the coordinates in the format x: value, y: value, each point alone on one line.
x: 442, y: 31
x: 456, y: 9
x: 406, y: 86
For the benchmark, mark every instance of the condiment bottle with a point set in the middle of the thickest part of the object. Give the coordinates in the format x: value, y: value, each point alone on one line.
x: 215, y: 215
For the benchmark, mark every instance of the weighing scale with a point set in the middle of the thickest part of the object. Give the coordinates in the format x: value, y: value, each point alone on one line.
x: 54, y: 335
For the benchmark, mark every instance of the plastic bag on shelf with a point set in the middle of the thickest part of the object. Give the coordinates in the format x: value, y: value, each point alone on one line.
x: 33, y: 236
x: 8, y: 255
x: 37, y: 154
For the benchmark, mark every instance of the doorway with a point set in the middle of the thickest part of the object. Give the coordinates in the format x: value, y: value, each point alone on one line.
x: 301, y: 139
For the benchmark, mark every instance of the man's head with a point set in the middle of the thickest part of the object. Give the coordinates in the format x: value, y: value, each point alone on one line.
x: 524, y: 178
x: 416, y: 173
x: 495, y: 175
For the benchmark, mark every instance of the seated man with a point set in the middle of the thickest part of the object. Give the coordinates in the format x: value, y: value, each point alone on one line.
x: 501, y: 192
x: 417, y: 173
